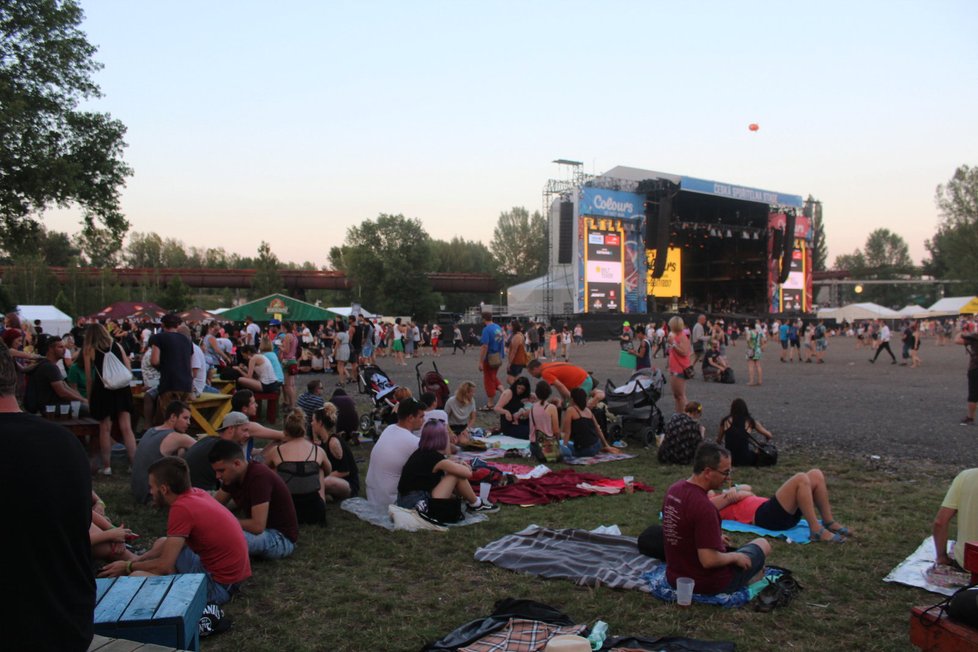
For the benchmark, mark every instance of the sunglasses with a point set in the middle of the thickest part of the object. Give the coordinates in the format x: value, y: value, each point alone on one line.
x: 726, y: 473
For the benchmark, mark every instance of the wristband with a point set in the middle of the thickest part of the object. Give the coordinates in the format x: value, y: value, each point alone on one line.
x: 129, y: 567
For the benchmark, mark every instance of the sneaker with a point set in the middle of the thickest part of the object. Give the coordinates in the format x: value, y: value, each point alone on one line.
x: 422, y: 509
x: 107, y: 471
x: 967, y: 421
x: 484, y: 506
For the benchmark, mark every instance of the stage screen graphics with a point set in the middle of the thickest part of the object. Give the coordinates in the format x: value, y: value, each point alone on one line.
x: 611, y: 239
x: 795, y: 295
x: 671, y: 283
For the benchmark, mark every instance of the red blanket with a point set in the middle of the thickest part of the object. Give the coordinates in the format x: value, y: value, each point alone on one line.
x: 556, y: 486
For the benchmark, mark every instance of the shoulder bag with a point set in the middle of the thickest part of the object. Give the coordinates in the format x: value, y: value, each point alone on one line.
x: 115, y: 375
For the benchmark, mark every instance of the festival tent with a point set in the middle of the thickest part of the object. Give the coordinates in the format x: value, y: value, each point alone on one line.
x: 53, y: 321
x: 857, y: 312
x: 128, y: 310
x: 277, y: 306
x: 197, y: 314
x: 909, y: 310
x: 528, y: 298
x: 345, y: 312
x: 950, y: 307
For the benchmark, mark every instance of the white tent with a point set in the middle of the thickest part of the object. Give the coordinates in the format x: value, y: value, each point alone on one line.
x: 346, y: 311
x: 909, y: 310
x: 53, y: 321
x: 950, y: 307
x: 858, y: 311
x: 527, y: 298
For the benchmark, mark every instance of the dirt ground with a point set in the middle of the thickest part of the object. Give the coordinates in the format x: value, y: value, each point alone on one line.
x: 846, y: 405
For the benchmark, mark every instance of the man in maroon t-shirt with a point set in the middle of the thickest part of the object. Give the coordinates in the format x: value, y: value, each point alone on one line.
x: 267, y: 513
x: 694, y: 545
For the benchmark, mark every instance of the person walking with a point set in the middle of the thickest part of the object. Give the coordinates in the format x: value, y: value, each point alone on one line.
x: 883, y: 342
x: 755, y: 347
x: 457, y: 341
x: 679, y: 350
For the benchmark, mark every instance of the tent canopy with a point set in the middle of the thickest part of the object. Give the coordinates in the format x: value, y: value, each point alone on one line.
x: 909, y: 310
x: 128, y: 309
x: 856, y: 311
x: 277, y: 306
x: 53, y: 321
x: 346, y: 311
x: 950, y: 307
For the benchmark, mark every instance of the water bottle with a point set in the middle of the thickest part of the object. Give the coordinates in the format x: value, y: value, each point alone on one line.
x: 598, y: 633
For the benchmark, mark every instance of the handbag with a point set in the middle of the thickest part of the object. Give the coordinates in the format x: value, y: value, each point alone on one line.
x: 115, y: 375
x: 765, y: 453
x: 494, y: 360
x: 545, y: 448
x: 689, y: 372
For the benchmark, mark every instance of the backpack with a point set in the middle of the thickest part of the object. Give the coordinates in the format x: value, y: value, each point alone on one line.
x: 115, y: 375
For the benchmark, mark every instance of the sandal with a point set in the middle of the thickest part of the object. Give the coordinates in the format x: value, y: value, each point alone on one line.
x: 817, y: 537
x: 844, y: 531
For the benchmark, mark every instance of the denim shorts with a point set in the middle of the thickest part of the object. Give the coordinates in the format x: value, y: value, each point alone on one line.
x: 189, y: 562
x: 743, y: 576
x: 270, y: 544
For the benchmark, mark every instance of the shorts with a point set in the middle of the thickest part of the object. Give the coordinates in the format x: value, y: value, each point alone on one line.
x: 784, y: 344
x: 367, y: 351
x: 588, y: 384
x: 821, y: 345
x: 410, y: 499
x: 189, y: 562
x: 972, y: 385
x: 270, y: 544
x: 271, y: 388
x: 515, y: 369
x: 742, y: 576
x: 533, y: 347
x: 772, y: 516
x: 354, y: 354
x: 796, y: 344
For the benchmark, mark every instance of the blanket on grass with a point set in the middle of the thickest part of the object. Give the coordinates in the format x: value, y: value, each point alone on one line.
x: 392, y: 517
x: 918, y: 570
x: 585, y: 558
x: 798, y: 534
x: 598, y: 459
x: 557, y: 486
x: 659, y: 587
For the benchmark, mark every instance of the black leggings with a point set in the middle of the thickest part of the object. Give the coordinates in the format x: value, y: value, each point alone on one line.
x: 879, y: 349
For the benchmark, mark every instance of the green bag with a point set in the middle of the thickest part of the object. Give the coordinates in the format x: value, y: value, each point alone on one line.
x: 626, y: 360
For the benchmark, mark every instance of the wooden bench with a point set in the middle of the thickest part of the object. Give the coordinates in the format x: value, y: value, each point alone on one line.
x: 163, y: 610
x: 933, y: 634
x: 103, y: 644
x: 271, y: 405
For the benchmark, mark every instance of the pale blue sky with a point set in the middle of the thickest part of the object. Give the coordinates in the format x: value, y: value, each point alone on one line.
x: 290, y: 122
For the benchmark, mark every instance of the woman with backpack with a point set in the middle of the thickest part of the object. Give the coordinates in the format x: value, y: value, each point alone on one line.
x: 106, y: 404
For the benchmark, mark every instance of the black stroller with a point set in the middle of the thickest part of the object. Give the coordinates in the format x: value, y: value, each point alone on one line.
x: 434, y: 382
x: 372, y: 380
x: 634, y: 404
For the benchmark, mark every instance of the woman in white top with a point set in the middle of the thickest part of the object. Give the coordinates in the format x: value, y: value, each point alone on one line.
x: 258, y: 376
x: 461, y: 412
x: 341, y: 351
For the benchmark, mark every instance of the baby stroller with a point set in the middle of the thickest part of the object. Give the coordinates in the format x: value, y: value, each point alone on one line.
x: 634, y: 403
x: 432, y: 382
x: 372, y: 380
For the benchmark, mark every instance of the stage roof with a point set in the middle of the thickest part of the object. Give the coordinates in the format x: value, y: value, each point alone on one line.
x: 708, y: 187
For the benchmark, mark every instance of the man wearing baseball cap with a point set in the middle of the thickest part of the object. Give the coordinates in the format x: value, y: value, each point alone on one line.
x: 233, y: 428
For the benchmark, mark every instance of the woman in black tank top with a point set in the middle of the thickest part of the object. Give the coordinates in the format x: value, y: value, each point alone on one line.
x: 303, y: 466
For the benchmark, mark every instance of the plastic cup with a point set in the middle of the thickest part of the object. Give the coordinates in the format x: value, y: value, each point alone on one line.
x: 63, y: 410
x: 684, y: 591
x: 629, y: 484
x: 484, y: 488
x: 49, y: 411
x: 75, y: 409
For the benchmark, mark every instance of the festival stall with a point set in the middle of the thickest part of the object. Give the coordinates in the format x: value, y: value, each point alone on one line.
x: 53, y: 321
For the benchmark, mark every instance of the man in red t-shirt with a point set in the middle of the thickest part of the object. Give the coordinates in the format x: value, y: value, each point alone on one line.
x: 268, y: 516
x: 201, y: 535
x: 694, y: 545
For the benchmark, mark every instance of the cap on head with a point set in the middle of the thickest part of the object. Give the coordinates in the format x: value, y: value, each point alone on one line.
x: 274, y: 322
x: 234, y: 419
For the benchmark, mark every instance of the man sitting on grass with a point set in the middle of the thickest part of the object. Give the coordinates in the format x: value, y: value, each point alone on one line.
x: 694, y: 545
x: 169, y: 438
x: 961, y: 499
x: 201, y: 535
x: 268, y: 515
x: 392, y: 450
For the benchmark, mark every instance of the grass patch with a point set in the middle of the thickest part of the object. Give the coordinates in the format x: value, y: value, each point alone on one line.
x: 352, y: 586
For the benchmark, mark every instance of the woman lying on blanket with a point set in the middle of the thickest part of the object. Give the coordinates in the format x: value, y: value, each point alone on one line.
x: 434, y: 484
x: 798, y: 498
x: 581, y: 435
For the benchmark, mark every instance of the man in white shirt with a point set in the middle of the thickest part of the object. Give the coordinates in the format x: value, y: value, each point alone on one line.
x: 884, y: 342
x: 391, y: 451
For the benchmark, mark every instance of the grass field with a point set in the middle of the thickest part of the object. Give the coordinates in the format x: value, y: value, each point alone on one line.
x: 353, y: 586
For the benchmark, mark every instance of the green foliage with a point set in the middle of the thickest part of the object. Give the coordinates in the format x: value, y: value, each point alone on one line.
x: 885, y: 256
x: 31, y: 282
x: 952, y: 249
x: 177, y: 296
x: 387, y: 261
x: 820, y: 249
x: 51, y: 153
x: 267, y: 279
x: 462, y: 256
x: 519, y: 244
x: 62, y: 303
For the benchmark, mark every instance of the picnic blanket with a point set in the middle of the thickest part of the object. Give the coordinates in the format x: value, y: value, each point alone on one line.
x: 659, y: 587
x: 598, y: 459
x: 798, y: 534
x: 559, y: 485
x: 586, y: 558
x: 392, y: 517
x: 918, y: 570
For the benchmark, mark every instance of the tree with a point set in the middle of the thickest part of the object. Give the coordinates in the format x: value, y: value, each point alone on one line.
x: 953, y: 247
x: 267, y: 280
x: 820, y: 250
x: 462, y: 256
x: 885, y: 256
x: 387, y: 261
x: 143, y: 250
x: 51, y: 153
x: 176, y: 296
x: 519, y: 244
x: 55, y: 247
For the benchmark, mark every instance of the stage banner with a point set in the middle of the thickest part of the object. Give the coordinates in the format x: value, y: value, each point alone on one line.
x: 604, y: 265
x: 671, y: 283
x: 598, y: 202
x: 731, y: 191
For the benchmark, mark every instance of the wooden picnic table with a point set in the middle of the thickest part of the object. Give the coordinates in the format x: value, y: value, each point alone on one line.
x: 209, y: 410
x: 226, y: 386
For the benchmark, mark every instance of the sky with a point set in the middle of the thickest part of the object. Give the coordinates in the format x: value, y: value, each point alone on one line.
x: 292, y: 122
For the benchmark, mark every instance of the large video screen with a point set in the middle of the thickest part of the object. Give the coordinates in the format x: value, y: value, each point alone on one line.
x: 604, y: 265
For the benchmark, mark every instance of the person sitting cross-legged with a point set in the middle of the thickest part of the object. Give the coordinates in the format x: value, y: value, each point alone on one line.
x: 168, y: 438
x: 268, y: 516
x: 803, y: 495
x: 434, y: 484
x: 202, y: 536
x: 695, y: 547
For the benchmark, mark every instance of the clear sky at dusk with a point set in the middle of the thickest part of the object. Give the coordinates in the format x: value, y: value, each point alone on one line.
x: 290, y: 122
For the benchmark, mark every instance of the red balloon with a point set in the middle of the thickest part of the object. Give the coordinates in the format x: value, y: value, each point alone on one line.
x: 753, y: 126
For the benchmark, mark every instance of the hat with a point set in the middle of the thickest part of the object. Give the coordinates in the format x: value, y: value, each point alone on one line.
x: 626, y: 324
x: 234, y: 419
x: 274, y: 322
x: 11, y: 334
x: 567, y: 643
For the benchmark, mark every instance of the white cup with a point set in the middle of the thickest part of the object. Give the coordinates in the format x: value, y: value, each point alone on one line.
x: 49, y: 411
x: 484, y: 488
x: 63, y: 410
x: 684, y: 591
x: 75, y: 409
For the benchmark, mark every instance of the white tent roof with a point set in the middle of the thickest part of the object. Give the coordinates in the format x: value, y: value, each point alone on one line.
x: 527, y: 298
x: 53, y: 321
x: 910, y: 310
x: 948, y: 307
x: 856, y: 311
x: 345, y: 311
